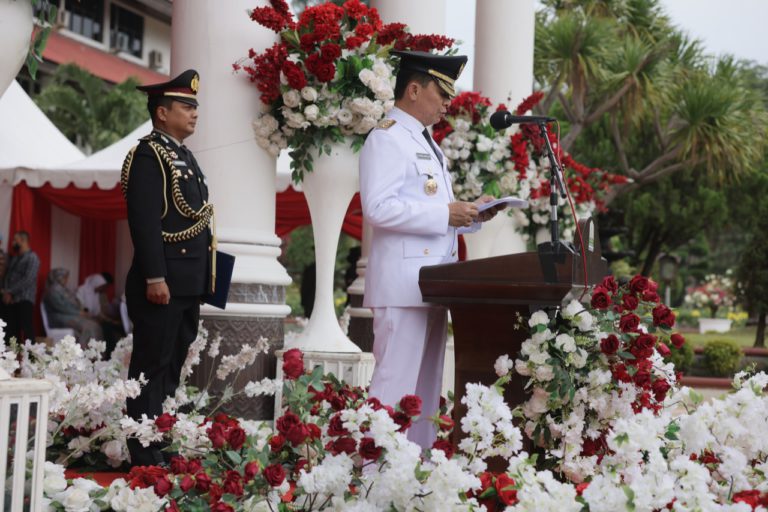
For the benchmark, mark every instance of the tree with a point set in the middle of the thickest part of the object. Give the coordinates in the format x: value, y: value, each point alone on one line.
x: 620, y: 70
x: 90, y: 112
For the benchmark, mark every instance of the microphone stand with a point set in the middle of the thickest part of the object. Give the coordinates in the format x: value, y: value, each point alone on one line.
x: 555, y: 250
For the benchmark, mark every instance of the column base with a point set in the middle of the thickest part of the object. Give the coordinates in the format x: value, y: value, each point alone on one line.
x: 355, y: 369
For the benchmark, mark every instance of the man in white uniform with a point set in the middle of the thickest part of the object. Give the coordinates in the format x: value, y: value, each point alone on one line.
x: 406, y: 195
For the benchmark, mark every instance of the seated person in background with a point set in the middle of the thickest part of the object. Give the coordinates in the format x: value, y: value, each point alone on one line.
x: 64, y: 310
x: 92, y: 295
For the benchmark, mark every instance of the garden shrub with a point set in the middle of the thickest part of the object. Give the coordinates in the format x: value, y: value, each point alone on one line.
x: 722, y: 357
x: 681, y: 357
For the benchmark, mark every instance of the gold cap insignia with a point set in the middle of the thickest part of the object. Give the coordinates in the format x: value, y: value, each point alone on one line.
x: 195, y: 83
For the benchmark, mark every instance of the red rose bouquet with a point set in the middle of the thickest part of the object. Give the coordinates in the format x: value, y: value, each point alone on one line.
x: 330, y: 78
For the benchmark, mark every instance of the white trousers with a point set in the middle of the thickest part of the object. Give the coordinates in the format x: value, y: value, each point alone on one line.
x: 409, y: 348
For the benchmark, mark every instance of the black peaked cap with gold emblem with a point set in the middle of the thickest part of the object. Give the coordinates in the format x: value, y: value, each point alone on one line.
x: 445, y: 69
x: 182, y: 88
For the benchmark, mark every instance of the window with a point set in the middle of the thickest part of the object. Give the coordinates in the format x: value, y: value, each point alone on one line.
x: 86, y: 17
x: 127, y: 30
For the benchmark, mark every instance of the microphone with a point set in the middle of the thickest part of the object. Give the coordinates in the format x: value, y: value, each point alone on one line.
x: 503, y: 119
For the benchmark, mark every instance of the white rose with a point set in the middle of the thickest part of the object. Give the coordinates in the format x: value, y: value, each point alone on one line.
x: 365, y: 125
x: 544, y: 373
x: 113, y: 449
x: 296, y: 120
x: 502, y: 365
x: 538, y: 318
x: 265, y: 125
x: 579, y: 358
x: 484, y: 144
x: 381, y: 69
x: 565, y: 343
x: 54, y: 483
x: 366, y: 75
x: 291, y: 98
x: 311, y: 112
x: 75, y: 499
x: 344, y: 116
x: 309, y: 93
x: 464, y: 155
x: 521, y: 367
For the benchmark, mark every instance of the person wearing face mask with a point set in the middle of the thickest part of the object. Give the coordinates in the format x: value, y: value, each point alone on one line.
x: 405, y: 188
x: 20, y: 289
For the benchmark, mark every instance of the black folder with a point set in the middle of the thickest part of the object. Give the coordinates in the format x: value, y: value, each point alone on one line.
x: 225, y: 263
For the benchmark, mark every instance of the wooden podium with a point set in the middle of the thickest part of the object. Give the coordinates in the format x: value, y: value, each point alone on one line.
x: 491, y: 300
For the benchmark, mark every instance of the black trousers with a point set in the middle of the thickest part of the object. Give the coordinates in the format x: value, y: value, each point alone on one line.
x: 19, y: 318
x: 162, y: 335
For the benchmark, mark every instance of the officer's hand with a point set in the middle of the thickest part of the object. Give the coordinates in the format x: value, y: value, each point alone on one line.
x: 461, y: 213
x: 490, y: 212
x: 158, y: 293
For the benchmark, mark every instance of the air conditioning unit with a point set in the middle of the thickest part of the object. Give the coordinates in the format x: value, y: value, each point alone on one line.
x: 156, y: 59
x: 62, y: 18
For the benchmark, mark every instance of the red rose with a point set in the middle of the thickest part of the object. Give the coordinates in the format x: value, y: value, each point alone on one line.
x: 368, y: 449
x: 751, y: 498
x: 298, y: 434
x: 650, y: 296
x: 402, y: 419
x: 294, y: 75
x: 330, y: 52
x: 663, y: 349
x: 660, y: 388
x: 251, y: 470
x: 173, y: 507
x: 274, y: 474
x: 221, y: 506
x: 276, y: 442
x: 293, y: 368
x: 194, y: 465
x: 285, y: 422
x: 609, y: 283
x: 354, y: 41
x: 202, y: 482
x: 663, y: 316
x: 325, y: 72
x: 233, y: 483
x: 609, y: 345
x: 342, y: 445
x: 215, y: 493
x: 145, y: 476
x: 165, y: 422
x: 314, y: 431
x: 638, y: 284
x: 629, y: 322
x: 336, y: 426
x: 629, y: 302
x: 580, y: 488
x: 652, y: 285
x: 374, y: 402
x: 364, y: 30
x: 504, y: 489
x: 445, y: 423
x: 178, y: 465
x: 293, y: 353
x: 444, y: 445
x: 186, y: 483
x: 163, y: 486
x: 217, y: 436
x: 600, y: 298
x: 677, y: 340
x: 645, y: 341
x: 642, y: 378
x: 411, y: 405
x: 236, y: 438
x: 620, y: 373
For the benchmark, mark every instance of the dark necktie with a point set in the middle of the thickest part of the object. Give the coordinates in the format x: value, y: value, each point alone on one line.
x: 432, y: 144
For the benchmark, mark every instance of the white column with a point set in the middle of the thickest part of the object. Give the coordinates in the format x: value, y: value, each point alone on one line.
x: 503, y: 71
x: 503, y: 66
x: 422, y: 16
x: 209, y: 36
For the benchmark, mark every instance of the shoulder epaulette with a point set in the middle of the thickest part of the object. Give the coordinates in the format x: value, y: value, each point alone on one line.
x: 386, y: 124
x: 149, y: 137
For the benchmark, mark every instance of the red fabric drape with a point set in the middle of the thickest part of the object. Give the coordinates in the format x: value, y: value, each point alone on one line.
x: 87, y: 202
x: 31, y: 213
x: 292, y: 212
x: 97, y: 247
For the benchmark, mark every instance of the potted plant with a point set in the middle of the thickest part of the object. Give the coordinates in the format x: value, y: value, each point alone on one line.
x: 716, y: 295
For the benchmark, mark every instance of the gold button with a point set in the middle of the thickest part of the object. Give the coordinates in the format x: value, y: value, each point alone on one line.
x: 183, y: 251
x: 209, y: 248
x: 426, y: 251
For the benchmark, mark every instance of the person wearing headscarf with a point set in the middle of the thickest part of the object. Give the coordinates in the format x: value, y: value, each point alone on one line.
x: 64, y: 309
x: 92, y: 295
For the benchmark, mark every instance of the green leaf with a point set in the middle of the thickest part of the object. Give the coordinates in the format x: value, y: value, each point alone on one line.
x: 630, y: 497
x: 234, y: 457
x: 622, y: 438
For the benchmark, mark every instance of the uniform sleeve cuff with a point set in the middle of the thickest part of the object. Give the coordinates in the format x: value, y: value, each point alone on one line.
x: 155, y: 280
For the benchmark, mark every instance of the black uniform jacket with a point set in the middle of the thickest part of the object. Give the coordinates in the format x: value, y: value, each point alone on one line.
x: 185, y: 265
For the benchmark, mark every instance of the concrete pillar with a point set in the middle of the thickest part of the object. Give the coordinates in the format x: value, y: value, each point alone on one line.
x: 210, y: 35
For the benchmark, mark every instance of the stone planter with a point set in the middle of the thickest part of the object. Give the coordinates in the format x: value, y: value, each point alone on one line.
x: 714, y: 325
x: 16, y: 25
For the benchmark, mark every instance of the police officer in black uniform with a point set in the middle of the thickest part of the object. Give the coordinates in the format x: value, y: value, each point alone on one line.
x: 171, y: 222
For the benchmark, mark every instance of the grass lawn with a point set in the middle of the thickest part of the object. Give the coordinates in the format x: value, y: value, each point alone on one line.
x: 744, y: 336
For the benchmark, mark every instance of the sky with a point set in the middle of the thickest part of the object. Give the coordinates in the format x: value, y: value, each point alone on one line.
x: 736, y: 27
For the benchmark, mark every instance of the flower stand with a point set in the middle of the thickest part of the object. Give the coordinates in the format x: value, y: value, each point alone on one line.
x: 15, y: 35
x: 328, y: 188
x: 714, y: 325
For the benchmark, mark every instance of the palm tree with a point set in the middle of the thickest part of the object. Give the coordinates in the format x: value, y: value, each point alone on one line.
x: 619, y: 68
x: 90, y: 112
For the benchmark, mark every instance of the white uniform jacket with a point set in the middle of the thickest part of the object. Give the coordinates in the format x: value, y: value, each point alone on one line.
x: 410, y: 227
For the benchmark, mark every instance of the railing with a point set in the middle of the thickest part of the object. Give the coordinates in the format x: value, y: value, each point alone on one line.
x: 23, y: 407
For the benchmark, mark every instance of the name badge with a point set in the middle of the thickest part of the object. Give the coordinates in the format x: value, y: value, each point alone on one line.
x: 179, y: 163
x: 423, y: 156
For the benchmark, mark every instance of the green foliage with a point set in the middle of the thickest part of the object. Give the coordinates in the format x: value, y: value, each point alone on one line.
x: 90, y: 112
x: 45, y: 12
x: 681, y: 357
x: 722, y: 357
